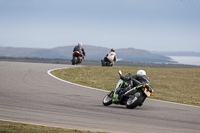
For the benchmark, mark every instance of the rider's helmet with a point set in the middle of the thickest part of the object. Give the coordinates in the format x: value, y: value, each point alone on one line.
x: 80, y: 44
x: 141, y: 72
x: 112, y: 50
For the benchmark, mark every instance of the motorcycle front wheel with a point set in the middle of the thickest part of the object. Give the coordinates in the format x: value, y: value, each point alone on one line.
x: 79, y: 60
x: 108, y: 99
x: 135, y: 100
x: 74, y: 60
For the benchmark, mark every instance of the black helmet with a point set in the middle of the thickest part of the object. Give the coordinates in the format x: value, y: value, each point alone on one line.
x: 112, y: 50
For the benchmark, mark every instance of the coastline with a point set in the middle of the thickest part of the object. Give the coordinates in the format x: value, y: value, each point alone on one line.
x: 187, y: 60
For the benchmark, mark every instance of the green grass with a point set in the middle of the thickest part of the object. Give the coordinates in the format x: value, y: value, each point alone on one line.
x: 179, y: 85
x: 11, y: 127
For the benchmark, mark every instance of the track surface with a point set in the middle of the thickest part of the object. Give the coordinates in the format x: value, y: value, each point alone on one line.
x: 29, y: 95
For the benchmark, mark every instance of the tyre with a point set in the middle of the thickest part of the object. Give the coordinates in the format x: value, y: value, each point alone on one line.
x: 79, y: 60
x: 75, y: 59
x: 102, y: 63
x: 108, y: 99
x: 72, y: 62
x: 135, y: 100
x: 107, y: 64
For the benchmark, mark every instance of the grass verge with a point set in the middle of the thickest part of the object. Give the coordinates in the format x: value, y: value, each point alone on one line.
x: 180, y: 85
x: 11, y: 127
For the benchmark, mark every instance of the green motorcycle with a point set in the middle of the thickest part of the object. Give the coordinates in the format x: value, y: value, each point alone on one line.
x: 131, y: 98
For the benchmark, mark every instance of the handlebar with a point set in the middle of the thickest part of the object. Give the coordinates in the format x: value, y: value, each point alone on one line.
x: 125, y: 78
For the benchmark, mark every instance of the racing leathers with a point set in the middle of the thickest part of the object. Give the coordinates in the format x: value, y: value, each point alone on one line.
x: 80, y: 49
x: 111, y: 57
x: 132, y: 82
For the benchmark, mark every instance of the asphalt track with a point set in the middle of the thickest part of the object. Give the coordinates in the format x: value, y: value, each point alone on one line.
x: 29, y: 95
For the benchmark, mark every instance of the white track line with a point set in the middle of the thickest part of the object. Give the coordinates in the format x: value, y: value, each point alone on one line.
x: 49, y: 72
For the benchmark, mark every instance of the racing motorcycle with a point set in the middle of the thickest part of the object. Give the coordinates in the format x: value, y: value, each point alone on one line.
x: 132, y: 98
x: 77, y: 58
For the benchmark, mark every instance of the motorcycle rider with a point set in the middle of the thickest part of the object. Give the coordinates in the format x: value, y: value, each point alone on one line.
x: 79, y: 48
x: 139, y: 78
x: 111, y: 56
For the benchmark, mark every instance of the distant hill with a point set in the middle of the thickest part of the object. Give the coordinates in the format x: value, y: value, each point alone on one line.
x: 92, y: 53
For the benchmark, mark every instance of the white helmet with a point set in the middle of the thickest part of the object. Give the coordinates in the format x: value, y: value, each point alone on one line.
x: 141, y: 72
x: 80, y: 44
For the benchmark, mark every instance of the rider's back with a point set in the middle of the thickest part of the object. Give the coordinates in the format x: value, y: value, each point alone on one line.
x: 141, y: 78
x: 77, y: 48
x: 111, y: 56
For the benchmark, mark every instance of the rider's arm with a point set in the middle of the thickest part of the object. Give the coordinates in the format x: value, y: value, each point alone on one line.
x: 115, y: 57
x: 83, y: 51
x: 135, y: 80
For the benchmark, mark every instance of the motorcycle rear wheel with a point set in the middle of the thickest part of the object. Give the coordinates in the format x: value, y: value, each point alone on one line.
x: 135, y: 100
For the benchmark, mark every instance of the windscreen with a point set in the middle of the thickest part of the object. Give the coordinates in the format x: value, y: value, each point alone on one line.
x: 129, y: 75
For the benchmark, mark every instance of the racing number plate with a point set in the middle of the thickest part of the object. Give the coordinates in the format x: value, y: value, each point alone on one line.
x: 147, y: 92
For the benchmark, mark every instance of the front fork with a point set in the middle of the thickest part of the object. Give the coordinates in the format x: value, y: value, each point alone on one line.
x: 116, y: 95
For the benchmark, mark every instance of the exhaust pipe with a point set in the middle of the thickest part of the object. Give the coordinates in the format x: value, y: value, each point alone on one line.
x: 130, y: 91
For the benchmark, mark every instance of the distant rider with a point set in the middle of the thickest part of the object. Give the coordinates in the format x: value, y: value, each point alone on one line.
x: 139, y: 78
x: 79, y: 48
x: 111, y: 56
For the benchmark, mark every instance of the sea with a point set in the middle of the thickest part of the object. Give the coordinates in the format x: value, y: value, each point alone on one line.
x: 188, y: 60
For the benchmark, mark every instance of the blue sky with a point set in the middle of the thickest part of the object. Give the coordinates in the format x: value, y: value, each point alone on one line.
x: 155, y: 25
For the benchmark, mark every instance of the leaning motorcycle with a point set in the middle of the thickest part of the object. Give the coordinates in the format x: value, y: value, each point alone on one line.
x: 132, y: 98
x: 77, y: 58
